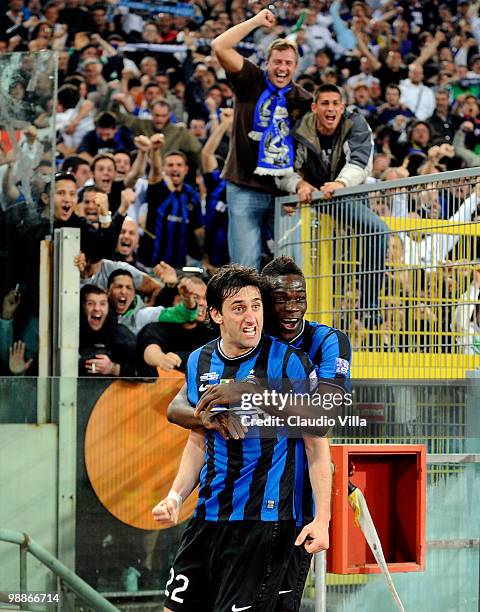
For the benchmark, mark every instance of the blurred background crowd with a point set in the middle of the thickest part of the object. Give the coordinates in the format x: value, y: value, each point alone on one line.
x: 142, y: 126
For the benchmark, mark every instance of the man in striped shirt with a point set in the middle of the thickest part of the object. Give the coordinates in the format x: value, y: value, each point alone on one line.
x: 330, y: 352
x: 174, y: 223
x: 235, y: 551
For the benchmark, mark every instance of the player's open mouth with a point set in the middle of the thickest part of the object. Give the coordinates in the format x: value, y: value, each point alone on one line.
x: 281, y: 76
x: 290, y: 324
x: 66, y: 208
x: 250, y: 331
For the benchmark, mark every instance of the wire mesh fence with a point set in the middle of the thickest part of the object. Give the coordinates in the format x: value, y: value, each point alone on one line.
x: 395, y: 265
x: 451, y: 578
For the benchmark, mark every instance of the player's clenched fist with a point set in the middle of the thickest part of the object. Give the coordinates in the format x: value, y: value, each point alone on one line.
x: 168, y: 510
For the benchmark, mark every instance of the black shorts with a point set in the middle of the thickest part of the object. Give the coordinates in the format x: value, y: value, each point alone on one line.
x: 230, y: 566
x: 293, y: 585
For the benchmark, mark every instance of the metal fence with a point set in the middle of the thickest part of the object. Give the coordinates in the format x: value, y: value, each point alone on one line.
x: 450, y: 581
x: 395, y: 265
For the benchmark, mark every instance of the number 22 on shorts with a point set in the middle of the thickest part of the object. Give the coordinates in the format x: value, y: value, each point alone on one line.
x: 177, y: 590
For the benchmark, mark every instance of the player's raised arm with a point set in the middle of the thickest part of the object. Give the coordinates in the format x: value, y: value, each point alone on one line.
x: 187, y: 478
x: 314, y: 536
x: 224, y: 44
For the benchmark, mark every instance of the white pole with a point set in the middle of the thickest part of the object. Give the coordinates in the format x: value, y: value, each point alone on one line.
x: 321, y: 581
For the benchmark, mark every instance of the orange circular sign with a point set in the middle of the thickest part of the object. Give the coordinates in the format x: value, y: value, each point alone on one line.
x: 132, y: 452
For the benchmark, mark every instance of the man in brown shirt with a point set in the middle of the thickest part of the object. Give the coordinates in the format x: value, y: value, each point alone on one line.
x: 177, y: 137
x: 250, y: 196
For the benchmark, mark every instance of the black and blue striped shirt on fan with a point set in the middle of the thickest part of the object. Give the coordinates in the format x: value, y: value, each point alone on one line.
x: 172, y: 218
x: 254, y: 478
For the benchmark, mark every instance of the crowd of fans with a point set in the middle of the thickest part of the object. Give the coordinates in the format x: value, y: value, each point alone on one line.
x: 142, y: 131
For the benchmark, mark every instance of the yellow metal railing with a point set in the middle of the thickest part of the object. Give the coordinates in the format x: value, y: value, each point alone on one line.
x: 417, y: 338
x: 422, y: 320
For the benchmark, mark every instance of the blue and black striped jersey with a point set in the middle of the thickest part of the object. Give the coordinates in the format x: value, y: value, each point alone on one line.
x: 216, y: 218
x: 172, y: 218
x: 330, y: 352
x: 328, y: 348
x: 254, y: 478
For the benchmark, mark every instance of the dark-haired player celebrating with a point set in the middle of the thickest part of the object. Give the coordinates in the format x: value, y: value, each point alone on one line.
x: 235, y: 550
x: 330, y: 352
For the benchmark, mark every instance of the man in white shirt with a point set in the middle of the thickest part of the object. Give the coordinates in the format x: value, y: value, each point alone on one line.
x: 364, y: 76
x: 319, y: 36
x: 416, y: 96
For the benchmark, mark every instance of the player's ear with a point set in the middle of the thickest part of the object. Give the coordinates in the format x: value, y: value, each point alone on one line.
x: 216, y: 316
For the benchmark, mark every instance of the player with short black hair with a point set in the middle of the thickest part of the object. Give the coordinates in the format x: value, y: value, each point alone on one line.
x: 235, y: 550
x: 330, y: 352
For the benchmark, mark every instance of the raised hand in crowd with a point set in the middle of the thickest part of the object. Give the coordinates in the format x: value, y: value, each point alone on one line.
x: 212, y: 111
x: 142, y: 143
x: 166, y: 273
x: 101, y: 200
x: 80, y: 261
x: 467, y: 126
x: 127, y: 198
x: 226, y: 116
x: 157, y: 141
x: 11, y: 302
x: 31, y: 22
x: 186, y: 288
x: 265, y: 19
x: 16, y: 360
x: 124, y: 99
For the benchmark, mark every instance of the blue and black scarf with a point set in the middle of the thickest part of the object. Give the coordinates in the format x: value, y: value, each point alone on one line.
x: 271, y: 126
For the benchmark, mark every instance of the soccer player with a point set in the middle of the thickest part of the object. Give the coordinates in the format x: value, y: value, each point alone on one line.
x: 235, y: 550
x: 330, y: 352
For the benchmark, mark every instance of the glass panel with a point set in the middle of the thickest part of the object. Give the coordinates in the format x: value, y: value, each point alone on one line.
x: 127, y: 455
x: 27, y: 163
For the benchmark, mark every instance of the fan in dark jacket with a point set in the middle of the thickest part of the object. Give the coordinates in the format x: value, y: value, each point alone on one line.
x: 107, y: 348
x: 334, y: 149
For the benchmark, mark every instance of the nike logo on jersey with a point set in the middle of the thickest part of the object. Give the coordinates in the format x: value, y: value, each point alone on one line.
x: 235, y: 609
x: 202, y: 388
x: 282, y: 592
